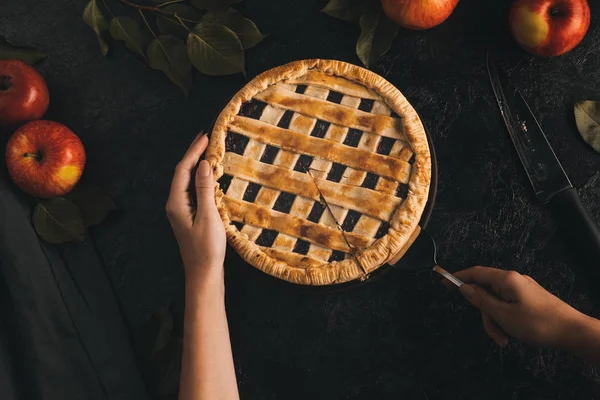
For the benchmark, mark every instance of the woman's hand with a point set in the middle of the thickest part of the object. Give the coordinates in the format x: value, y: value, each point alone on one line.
x: 198, y: 229
x: 515, y: 305
x: 207, y: 370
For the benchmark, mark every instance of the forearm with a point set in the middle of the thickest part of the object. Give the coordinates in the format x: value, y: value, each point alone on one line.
x: 584, y: 338
x: 207, y: 366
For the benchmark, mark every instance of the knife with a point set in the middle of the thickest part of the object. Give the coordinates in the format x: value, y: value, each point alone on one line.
x: 550, y: 183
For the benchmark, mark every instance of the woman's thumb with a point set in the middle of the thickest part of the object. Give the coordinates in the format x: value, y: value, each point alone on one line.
x: 205, y: 185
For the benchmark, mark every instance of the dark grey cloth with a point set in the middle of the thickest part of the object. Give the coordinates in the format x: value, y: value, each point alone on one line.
x: 62, y: 335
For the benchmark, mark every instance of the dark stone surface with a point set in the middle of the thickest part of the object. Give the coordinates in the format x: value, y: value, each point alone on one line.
x: 401, y: 336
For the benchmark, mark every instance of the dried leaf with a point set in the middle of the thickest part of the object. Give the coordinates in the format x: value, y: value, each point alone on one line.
x: 245, y: 29
x: 587, y: 118
x: 93, y: 17
x: 377, y: 33
x: 169, y: 55
x: 348, y: 10
x: 10, y: 51
x: 155, y: 334
x: 93, y: 203
x: 58, y: 220
x: 214, y: 5
x: 128, y: 30
x: 164, y: 369
x: 214, y: 49
x: 160, y: 352
x: 170, y: 26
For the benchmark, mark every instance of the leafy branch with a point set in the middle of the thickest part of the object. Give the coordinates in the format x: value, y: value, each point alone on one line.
x: 208, y: 35
x: 377, y: 30
x: 159, y: 10
x: 156, y: 9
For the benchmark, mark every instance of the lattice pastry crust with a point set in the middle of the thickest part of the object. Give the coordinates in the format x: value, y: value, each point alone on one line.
x: 363, y: 143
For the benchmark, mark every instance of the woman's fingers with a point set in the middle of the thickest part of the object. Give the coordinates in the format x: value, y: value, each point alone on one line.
x: 494, y: 331
x: 178, y: 202
x: 507, y: 285
x: 447, y: 283
x: 483, y: 276
x: 483, y: 299
x: 183, y: 171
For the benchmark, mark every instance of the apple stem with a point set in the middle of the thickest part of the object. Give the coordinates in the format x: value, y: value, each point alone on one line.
x: 554, y: 11
x: 33, y: 155
x: 5, y: 83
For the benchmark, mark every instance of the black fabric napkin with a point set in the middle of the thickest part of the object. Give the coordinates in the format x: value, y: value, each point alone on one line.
x: 62, y: 334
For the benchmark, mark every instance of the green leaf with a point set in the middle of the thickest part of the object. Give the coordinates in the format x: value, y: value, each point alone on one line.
x: 9, y: 51
x: 58, y: 220
x: 348, y: 10
x: 169, y: 55
x: 214, y: 5
x: 93, y: 203
x: 170, y: 26
x: 587, y: 118
x: 128, y: 30
x: 214, y: 49
x: 377, y: 33
x: 93, y: 17
x: 244, y: 28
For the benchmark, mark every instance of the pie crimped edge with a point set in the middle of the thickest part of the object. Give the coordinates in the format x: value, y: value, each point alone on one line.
x: 405, y: 218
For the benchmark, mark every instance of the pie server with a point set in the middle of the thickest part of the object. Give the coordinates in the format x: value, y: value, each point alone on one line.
x: 421, y: 255
x: 550, y: 183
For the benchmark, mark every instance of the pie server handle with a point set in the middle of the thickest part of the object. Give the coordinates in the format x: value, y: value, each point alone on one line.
x: 580, y: 233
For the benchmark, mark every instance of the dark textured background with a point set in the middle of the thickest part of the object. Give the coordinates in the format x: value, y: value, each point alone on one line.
x: 402, y: 336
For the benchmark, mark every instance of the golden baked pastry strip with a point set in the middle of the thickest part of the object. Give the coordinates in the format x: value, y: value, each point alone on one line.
x: 254, y: 150
x: 366, y: 201
x: 389, y: 167
x: 284, y: 244
x: 336, y: 83
x: 263, y: 217
x: 331, y: 112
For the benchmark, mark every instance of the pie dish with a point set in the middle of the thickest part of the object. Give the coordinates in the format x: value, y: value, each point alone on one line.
x: 307, y: 146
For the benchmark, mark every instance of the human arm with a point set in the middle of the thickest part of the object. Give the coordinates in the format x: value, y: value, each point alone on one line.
x: 207, y: 370
x: 516, y: 305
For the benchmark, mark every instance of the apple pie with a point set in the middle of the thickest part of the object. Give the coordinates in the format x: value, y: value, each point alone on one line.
x: 323, y: 171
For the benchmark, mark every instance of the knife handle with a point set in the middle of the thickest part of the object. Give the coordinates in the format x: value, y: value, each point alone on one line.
x: 581, y: 234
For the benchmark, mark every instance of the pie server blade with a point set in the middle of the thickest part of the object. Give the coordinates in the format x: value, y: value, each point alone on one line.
x: 422, y: 256
x: 549, y: 181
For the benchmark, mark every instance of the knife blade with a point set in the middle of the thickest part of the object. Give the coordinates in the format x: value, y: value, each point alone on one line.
x: 550, y: 183
x: 543, y: 169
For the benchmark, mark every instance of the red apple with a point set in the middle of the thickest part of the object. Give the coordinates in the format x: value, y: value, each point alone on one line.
x: 23, y: 93
x: 418, y: 14
x: 45, y: 158
x: 549, y: 27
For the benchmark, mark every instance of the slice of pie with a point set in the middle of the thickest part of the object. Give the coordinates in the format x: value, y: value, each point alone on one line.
x: 311, y: 144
